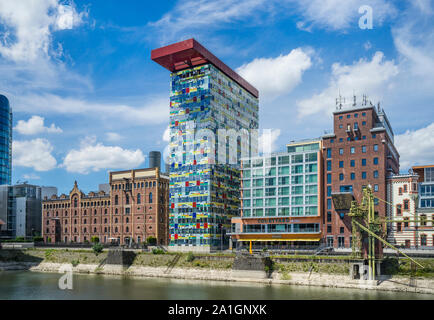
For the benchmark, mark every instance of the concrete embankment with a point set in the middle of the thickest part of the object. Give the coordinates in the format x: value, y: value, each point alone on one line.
x: 403, y: 284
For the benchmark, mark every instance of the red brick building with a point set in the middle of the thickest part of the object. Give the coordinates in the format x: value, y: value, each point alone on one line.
x: 135, y: 209
x: 359, y: 152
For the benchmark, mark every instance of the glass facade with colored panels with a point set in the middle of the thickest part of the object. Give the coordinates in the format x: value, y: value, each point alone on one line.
x: 205, y: 194
x: 283, y: 184
x: 5, y: 141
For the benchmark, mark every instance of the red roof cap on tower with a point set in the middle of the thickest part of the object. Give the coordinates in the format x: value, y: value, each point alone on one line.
x: 190, y: 53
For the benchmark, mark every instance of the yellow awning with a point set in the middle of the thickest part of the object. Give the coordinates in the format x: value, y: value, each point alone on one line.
x: 277, y: 240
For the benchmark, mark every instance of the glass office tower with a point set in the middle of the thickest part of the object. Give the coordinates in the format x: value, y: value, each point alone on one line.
x: 206, y: 96
x: 5, y: 141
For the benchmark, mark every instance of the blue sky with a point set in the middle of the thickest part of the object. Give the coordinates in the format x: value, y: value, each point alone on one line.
x: 87, y: 99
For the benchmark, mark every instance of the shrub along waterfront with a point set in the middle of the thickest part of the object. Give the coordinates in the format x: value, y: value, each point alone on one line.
x: 282, y: 264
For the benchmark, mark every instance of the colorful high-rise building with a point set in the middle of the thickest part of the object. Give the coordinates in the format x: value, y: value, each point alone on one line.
x: 5, y: 141
x: 206, y: 97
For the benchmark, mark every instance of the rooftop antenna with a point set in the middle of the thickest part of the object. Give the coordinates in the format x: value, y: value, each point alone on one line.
x: 354, y: 97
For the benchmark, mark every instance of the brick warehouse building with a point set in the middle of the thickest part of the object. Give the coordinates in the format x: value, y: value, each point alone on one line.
x: 358, y: 153
x: 135, y: 209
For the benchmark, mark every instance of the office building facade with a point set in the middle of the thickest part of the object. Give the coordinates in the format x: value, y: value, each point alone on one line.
x: 282, y: 197
x: 359, y: 152
x: 5, y: 141
x: 206, y: 96
x: 20, y: 210
x: 424, y: 234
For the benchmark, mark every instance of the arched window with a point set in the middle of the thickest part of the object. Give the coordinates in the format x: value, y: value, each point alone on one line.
x: 84, y: 230
x: 84, y: 221
x: 116, y: 220
x: 66, y: 221
x: 75, y: 221
x: 127, y: 199
x: 146, y: 184
x: 94, y: 229
x: 94, y: 220
x: 116, y: 200
x: 95, y: 212
x: 153, y: 184
x: 116, y: 229
x: 127, y: 229
x: 150, y: 197
x: 138, y: 198
x: 75, y: 203
x: 127, y: 220
x: 105, y: 220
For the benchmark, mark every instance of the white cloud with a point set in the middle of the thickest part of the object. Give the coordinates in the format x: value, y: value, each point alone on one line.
x: 415, y: 45
x: 267, y: 140
x: 35, y: 125
x: 93, y: 156
x: 29, y: 25
x: 34, y: 154
x: 277, y: 76
x: 338, y: 14
x: 31, y: 176
x: 113, y: 136
x: 370, y: 77
x: 156, y: 109
x: 416, y: 147
x: 196, y: 14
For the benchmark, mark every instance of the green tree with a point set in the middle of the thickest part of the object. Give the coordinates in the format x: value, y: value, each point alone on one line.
x: 97, y: 248
x: 152, y: 241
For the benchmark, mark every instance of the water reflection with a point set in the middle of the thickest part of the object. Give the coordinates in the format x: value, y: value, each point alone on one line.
x: 32, y: 285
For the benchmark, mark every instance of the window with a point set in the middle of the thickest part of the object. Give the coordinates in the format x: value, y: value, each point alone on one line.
x: 423, y: 240
x: 363, y: 162
x: 341, y: 176
x: 353, y: 176
x: 329, y: 178
x: 329, y: 216
x: 356, y: 115
x: 341, y: 230
x: 329, y: 165
x: 353, y: 163
x: 375, y: 147
x: 398, y: 209
x: 150, y: 197
x: 363, y: 149
x: 341, y: 164
x: 329, y: 228
x: 341, y: 151
x: 138, y: 198
x: 329, y: 191
x: 364, y: 175
x: 399, y: 226
x: 400, y: 191
x: 375, y: 187
x: 405, y: 188
x: 375, y: 174
x: 406, y: 222
x: 375, y: 160
x: 406, y: 205
x: 116, y: 200
x: 423, y: 220
x: 363, y: 123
